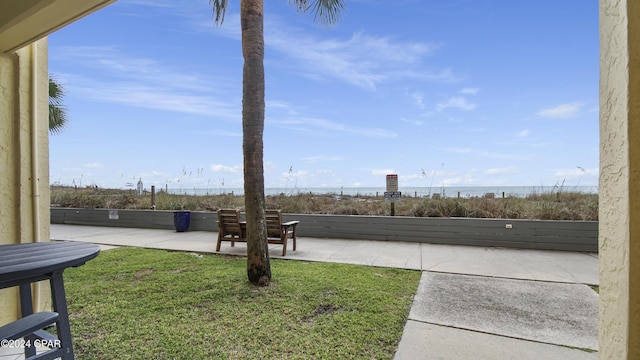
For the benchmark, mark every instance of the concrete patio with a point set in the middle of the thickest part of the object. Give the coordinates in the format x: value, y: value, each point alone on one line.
x: 472, y: 302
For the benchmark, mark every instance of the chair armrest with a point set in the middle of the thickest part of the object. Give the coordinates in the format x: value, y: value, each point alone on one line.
x: 27, y: 325
x: 287, y: 225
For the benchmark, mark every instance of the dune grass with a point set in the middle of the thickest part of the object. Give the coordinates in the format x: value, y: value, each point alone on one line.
x: 558, y: 205
x: 131, y: 303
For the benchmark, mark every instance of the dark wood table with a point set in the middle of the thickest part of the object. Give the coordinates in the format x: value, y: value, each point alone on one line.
x: 23, y: 264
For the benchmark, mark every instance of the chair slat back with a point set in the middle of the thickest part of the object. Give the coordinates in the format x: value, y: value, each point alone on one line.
x: 274, y: 221
x: 229, y: 222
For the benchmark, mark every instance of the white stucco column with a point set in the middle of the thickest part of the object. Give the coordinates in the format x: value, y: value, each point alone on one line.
x: 24, y: 159
x: 619, y: 218
x: 24, y: 125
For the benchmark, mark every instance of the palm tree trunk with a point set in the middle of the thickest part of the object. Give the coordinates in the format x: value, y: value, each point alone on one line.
x: 253, y: 108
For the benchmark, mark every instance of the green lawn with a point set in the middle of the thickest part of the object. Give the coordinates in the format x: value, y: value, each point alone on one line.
x: 133, y: 303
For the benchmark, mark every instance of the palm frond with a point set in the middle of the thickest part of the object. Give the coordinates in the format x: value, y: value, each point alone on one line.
x: 326, y: 11
x: 57, y: 111
x: 219, y: 8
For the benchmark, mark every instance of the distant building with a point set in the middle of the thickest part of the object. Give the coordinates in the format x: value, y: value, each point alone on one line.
x: 140, y: 188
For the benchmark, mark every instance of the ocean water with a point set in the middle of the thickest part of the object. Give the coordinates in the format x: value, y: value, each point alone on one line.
x: 446, y: 191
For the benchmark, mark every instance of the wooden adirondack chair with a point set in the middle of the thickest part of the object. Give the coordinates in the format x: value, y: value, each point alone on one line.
x: 279, y: 232
x: 229, y: 228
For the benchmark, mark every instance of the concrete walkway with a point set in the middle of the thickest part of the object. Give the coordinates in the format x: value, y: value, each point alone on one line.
x: 472, y: 302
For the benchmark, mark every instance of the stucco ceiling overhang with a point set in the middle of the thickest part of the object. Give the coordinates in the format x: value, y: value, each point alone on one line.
x: 25, y: 21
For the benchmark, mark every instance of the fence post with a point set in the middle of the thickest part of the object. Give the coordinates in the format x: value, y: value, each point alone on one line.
x: 153, y: 197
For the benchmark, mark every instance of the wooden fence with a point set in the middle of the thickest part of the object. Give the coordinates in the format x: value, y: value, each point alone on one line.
x: 525, y: 234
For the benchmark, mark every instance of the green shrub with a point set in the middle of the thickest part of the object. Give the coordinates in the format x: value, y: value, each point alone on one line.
x: 543, y: 206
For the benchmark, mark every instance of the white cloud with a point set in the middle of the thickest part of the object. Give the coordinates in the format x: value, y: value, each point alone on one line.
x: 313, y: 159
x: 524, y: 133
x: 228, y: 133
x: 487, y: 154
x: 502, y: 171
x: 460, y: 150
x: 270, y: 166
x: 561, y: 111
x: 147, y: 83
x: 445, y: 75
x: 362, y: 60
x: 418, y: 98
x: 226, y: 169
x: 470, y: 91
x: 576, y: 172
x: 457, y: 102
x: 313, y: 124
x: 300, y: 174
x: 382, y: 172
x: 295, y: 121
x: 409, y: 177
x: 414, y: 122
x: 279, y: 104
x: 112, y: 62
x: 94, y: 165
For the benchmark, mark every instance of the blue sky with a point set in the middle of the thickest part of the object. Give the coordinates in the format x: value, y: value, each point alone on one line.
x: 453, y: 93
